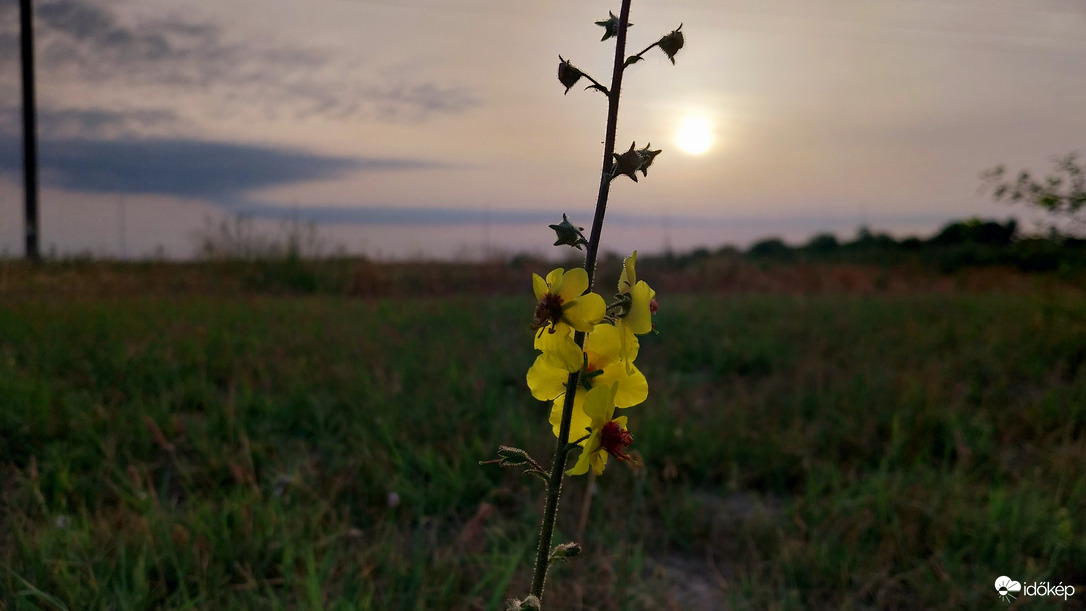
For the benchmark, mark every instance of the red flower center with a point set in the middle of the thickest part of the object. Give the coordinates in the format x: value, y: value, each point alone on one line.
x: 547, y: 312
x: 615, y: 439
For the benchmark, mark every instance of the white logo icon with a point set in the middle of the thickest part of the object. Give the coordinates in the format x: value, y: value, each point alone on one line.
x: 1005, y: 585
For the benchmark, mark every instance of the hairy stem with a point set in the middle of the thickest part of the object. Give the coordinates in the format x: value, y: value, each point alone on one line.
x: 554, y: 489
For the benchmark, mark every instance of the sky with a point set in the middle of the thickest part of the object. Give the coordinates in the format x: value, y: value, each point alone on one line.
x: 438, y: 128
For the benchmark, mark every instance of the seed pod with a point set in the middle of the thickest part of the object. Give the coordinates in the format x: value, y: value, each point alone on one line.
x: 568, y: 74
x: 647, y: 157
x: 671, y: 43
x: 627, y: 164
x: 569, y: 234
x: 610, y: 26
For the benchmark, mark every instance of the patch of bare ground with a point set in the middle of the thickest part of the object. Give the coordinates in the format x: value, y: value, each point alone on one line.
x: 699, y: 579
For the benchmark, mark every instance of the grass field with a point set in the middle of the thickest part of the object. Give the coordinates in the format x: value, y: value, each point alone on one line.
x: 242, y: 450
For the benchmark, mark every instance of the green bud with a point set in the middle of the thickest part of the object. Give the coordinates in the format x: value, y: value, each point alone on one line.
x: 569, y: 234
x: 565, y: 550
x: 671, y: 43
x: 512, y: 457
x: 531, y: 603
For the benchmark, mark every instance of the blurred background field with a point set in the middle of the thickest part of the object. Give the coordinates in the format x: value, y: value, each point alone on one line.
x: 821, y: 432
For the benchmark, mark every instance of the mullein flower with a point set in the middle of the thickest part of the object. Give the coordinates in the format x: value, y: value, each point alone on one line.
x: 561, y: 301
x: 560, y: 308
x: 605, y: 364
x: 606, y: 434
x: 638, y: 319
x: 639, y: 304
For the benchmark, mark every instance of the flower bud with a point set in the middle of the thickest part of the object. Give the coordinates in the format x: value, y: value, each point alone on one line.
x: 671, y: 43
x: 531, y: 603
x: 568, y: 74
x: 565, y: 550
x: 511, y: 456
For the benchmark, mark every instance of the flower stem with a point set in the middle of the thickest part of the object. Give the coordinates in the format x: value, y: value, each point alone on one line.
x: 554, y: 489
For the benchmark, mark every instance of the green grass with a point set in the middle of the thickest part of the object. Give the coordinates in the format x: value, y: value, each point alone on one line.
x: 238, y: 452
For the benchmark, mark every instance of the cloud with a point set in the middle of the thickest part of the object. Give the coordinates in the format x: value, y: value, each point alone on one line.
x: 392, y: 215
x: 80, y: 42
x: 54, y: 123
x: 220, y: 172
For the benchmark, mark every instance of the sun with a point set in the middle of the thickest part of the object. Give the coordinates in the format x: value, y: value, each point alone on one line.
x: 695, y: 135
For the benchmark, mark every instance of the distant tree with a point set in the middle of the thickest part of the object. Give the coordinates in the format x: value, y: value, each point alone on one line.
x: 770, y: 247
x: 867, y: 239
x: 976, y: 231
x: 822, y: 243
x: 1062, y: 193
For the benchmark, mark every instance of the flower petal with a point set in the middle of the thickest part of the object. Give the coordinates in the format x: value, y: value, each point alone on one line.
x: 554, y: 279
x: 584, y: 312
x: 632, y: 387
x: 591, y: 448
x: 539, y: 286
x: 605, y: 344
x: 629, y: 344
x: 559, y: 348
x: 639, y: 320
x: 629, y: 274
x: 572, y: 284
x: 599, y: 405
x: 599, y: 461
x: 579, y: 421
x: 546, y: 381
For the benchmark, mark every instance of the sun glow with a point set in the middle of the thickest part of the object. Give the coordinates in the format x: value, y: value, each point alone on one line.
x: 695, y: 135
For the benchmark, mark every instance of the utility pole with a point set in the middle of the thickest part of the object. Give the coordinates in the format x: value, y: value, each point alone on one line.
x: 30, y: 130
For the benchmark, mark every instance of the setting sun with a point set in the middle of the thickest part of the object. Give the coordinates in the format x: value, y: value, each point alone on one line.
x: 695, y: 135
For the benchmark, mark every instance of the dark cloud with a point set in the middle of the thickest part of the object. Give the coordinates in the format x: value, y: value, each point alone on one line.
x: 216, y: 171
x: 80, y: 41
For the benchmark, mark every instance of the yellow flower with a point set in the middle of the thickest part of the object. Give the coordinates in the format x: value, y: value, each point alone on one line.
x: 606, y: 435
x: 637, y: 319
x: 562, y: 306
x: 606, y: 366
